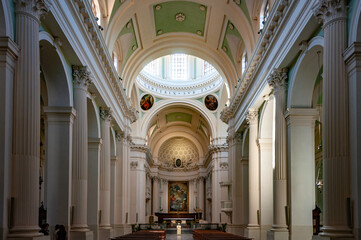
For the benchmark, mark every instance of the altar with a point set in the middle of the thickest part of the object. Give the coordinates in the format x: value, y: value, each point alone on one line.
x: 178, y: 216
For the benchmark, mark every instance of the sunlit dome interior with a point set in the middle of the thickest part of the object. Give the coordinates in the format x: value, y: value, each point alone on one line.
x: 179, y: 74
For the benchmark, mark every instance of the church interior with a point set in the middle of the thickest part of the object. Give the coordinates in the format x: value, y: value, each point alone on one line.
x: 199, y: 119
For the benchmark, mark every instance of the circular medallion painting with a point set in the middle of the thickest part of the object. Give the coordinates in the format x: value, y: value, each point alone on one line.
x: 146, y: 102
x: 211, y: 102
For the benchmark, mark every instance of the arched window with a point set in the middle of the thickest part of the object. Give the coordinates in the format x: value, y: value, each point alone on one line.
x: 208, y: 68
x: 179, y: 66
x: 244, y: 61
x: 264, y: 13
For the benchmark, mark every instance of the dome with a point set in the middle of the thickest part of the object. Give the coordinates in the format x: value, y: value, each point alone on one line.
x: 179, y: 75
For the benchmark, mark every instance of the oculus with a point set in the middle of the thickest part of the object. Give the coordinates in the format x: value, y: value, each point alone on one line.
x: 211, y: 102
x: 147, y: 102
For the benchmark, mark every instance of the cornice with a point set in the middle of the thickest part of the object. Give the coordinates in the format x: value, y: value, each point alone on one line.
x: 83, y: 9
x: 267, y: 37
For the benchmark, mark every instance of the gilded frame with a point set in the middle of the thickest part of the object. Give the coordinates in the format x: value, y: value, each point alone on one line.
x: 180, y: 184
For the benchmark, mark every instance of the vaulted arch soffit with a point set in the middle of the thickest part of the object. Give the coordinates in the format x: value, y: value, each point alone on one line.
x: 217, y: 40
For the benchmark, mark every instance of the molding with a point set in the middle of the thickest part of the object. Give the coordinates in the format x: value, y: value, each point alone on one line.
x: 10, y: 49
x: 276, y: 18
x: 301, y: 116
x: 352, y: 55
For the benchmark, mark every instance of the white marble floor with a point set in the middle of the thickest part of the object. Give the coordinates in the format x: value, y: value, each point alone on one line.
x: 181, y: 237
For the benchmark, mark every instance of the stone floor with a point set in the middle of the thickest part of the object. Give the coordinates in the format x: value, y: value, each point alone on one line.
x: 182, y: 237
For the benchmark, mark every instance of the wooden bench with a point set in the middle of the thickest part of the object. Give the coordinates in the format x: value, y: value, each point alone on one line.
x: 215, y: 234
x: 144, y: 234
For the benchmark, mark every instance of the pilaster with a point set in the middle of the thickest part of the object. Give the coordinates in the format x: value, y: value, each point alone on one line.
x: 59, y: 159
x: 301, y: 168
x: 8, y: 57
x: 352, y: 57
x: 336, y: 149
x: 26, y: 124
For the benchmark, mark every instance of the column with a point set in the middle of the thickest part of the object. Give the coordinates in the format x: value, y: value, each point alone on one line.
x: 79, y: 227
x: 59, y: 160
x: 156, y: 195
x: 113, y: 186
x: 26, y: 124
x: 201, y: 196
x: 277, y: 82
x: 94, y: 146
x: 253, y: 230
x: 8, y: 56
x: 336, y: 152
x: 353, y: 60
x: 137, y: 183
x: 104, y: 193
x: 301, y: 169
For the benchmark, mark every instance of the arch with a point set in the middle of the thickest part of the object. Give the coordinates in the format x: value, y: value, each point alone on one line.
x: 197, y: 106
x: 265, y: 130
x: 56, y: 72
x: 179, y: 132
x: 6, y: 21
x: 301, y: 84
x: 355, y: 25
x: 93, y: 119
x: 174, y: 44
x: 113, y: 150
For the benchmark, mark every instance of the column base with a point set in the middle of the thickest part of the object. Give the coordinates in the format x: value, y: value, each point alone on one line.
x: 253, y: 232
x: 301, y: 232
x: 275, y: 235
x: 122, y: 229
x: 237, y: 229
x: 81, y: 235
x: 336, y: 232
x: 105, y: 233
x: 317, y: 237
x: 264, y: 231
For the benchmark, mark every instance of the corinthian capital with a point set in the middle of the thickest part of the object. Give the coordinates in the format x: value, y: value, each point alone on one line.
x: 277, y: 79
x: 33, y: 8
x: 81, y: 77
x: 252, y: 116
x: 105, y: 113
x: 328, y: 10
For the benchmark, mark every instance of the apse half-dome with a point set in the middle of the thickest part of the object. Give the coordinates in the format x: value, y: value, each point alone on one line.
x: 179, y: 75
x: 178, y: 153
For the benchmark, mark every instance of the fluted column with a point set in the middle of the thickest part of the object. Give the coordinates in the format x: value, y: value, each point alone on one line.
x: 81, y: 81
x: 26, y: 142
x: 277, y: 82
x: 336, y: 152
x: 104, y: 198
x: 253, y: 162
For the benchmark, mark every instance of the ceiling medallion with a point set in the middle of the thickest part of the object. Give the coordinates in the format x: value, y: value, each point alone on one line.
x: 160, y: 32
x: 202, y: 8
x: 134, y: 47
x: 231, y: 26
x: 129, y: 25
x: 180, y: 17
x: 225, y: 48
x: 158, y: 7
x: 199, y: 32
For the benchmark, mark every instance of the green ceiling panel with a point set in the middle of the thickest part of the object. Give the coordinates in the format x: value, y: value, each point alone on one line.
x: 243, y: 6
x: 129, y: 29
x: 158, y: 99
x: 180, y: 16
x: 140, y: 92
x: 178, y: 117
x: 116, y: 6
x: 231, y: 33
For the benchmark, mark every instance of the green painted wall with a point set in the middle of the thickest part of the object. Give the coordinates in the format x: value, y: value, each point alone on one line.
x: 178, y: 117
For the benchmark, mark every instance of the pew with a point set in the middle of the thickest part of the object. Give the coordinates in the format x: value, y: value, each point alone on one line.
x: 144, y: 234
x: 215, y: 234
